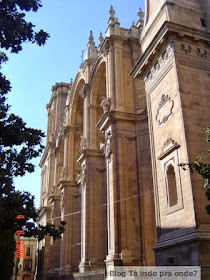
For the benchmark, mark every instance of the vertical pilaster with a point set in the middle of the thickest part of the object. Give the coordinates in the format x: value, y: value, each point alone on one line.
x: 93, y: 234
x: 54, y: 244
x: 110, y: 75
x: 123, y: 212
x: 71, y: 214
x: 118, y: 62
x: 85, y: 94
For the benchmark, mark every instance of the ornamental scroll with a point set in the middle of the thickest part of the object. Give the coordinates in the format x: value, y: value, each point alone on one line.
x: 165, y: 109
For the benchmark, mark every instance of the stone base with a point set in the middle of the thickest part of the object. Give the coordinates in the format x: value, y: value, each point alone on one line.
x: 182, y: 255
x: 84, y: 266
x: 90, y: 275
x: 126, y: 258
x: 93, y: 265
x: 183, y: 248
x: 53, y: 275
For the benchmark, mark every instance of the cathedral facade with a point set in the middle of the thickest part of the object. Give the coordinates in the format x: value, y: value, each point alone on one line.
x: 116, y: 136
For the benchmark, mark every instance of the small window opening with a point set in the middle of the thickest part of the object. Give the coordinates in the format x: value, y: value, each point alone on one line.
x: 172, y: 189
x: 28, y: 251
x: 203, y: 22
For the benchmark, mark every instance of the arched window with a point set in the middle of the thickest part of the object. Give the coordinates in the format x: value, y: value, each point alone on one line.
x: 172, y: 188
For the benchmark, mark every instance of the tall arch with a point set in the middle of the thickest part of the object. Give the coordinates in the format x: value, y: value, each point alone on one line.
x: 70, y: 191
x: 99, y: 92
x: 76, y: 116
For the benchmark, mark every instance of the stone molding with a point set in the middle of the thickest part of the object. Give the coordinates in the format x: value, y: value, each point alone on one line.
x: 166, y: 60
x: 181, y: 236
x: 83, y: 142
x: 159, y: 63
x: 113, y: 116
x: 192, y: 50
x: 105, y: 104
x: 165, y: 109
x: 66, y: 184
x: 168, y: 31
x: 190, y: 55
x: 169, y: 146
x: 107, y: 145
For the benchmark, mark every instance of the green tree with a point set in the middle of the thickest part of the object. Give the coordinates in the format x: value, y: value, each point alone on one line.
x: 202, y: 168
x: 19, y: 144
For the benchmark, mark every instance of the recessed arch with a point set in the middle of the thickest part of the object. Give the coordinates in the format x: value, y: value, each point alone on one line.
x: 75, y: 122
x: 76, y: 101
x: 171, y: 184
x: 98, y: 91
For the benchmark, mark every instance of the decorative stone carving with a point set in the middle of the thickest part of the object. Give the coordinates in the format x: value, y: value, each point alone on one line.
x: 62, y: 200
x: 168, y: 147
x: 157, y: 66
x: 82, y: 175
x: 105, y: 49
x: 107, y: 145
x: 168, y: 142
x: 159, y: 63
x: 52, y: 210
x: 52, y: 193
x: 202, y: 53
x: 165, y: 55
x: 63, y: 174
x: 193, y: 50
x: 83, y: 142
x: 84, y: 91
x: 105, y: 104
x: 186, y: 48
x: 165, y: 109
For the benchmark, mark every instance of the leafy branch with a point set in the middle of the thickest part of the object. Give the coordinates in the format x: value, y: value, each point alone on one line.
x: 202, y: 168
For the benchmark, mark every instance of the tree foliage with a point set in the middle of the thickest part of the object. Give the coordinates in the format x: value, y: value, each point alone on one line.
x: 19, y: 144
x: 14, y: 29
x: 202, y: 168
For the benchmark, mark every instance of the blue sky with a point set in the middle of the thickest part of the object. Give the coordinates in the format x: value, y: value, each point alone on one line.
x: 36, y: 69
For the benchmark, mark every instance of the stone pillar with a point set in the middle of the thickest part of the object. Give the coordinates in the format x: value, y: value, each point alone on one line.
x: 86, y: 124
x: 93, y: 130
x: 46, y: 258
x: 71, y: 153
x: 110, y: 74
x: 122, y: 190
x: 119, y: 88
x: 43, y: 248
x: 93, y: 194
x: 71, y: 214
x: 85, y: 94
x: 54, y: 244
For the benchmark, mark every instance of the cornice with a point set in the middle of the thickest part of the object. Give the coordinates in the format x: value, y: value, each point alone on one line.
x: 168, y: 29
x: 66, y: 183
x: 87, y: 153
x: 181, y: 236
x: 113, y: 116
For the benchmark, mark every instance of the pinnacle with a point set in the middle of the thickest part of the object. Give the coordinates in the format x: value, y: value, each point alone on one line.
x: 91, y: 40
x: 111, y: 11
x: 100, y: 38
x: 112, y: 18
x: 140, y: 14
